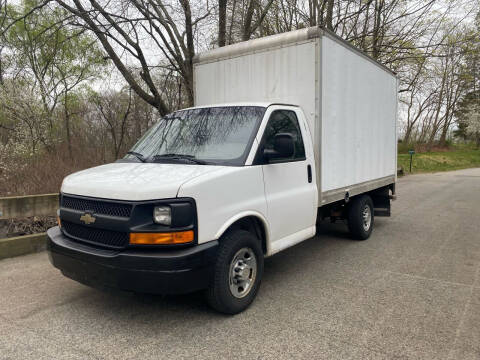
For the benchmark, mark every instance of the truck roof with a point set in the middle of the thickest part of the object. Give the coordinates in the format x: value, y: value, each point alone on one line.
x: 279, y: 40
x: 252, y: 103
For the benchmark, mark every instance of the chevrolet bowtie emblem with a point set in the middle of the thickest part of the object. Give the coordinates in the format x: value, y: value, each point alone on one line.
x: 87, y: 218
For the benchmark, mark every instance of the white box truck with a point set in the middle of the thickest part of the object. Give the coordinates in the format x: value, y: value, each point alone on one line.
x: 287, y: 130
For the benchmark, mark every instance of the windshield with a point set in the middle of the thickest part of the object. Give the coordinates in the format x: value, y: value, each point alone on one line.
x: 217, y: 135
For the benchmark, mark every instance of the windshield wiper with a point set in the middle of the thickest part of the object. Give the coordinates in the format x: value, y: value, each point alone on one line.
x: 137, y: 155
x: 172, y: 156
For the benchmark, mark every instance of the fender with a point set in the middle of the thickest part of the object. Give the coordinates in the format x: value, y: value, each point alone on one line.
x: 241, y: 215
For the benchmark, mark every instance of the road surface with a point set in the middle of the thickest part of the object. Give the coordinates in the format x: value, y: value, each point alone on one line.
x: 412, y: 291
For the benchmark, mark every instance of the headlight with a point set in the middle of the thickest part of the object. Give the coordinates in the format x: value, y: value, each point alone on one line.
x: 162, y: 215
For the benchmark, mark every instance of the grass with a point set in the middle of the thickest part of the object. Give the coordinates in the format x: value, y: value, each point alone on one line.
x: 460, y: 157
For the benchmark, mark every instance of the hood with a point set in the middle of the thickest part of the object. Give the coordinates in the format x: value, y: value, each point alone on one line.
x: 133, y: 181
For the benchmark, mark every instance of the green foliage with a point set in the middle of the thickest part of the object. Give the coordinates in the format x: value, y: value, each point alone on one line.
x: 467, y: 109
x: 466, y: 156
x: 404, y: 147
x: 461, y: 130
x: 468, y: 118
x: 49, y: 61
x: 46, y: 46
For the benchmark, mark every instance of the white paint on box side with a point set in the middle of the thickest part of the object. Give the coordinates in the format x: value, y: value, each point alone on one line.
x: 283, y: 74
x: 359, y: 118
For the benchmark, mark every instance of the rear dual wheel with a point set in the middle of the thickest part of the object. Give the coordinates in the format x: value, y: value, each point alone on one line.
x: 360, y: 217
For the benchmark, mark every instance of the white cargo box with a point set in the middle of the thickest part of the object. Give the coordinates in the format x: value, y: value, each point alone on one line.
x: 350, y: 101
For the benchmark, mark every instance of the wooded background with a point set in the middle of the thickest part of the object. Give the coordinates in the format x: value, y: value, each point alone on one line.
x: 81, y: 80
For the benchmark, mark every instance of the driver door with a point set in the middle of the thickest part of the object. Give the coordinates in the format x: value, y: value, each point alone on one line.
x: 290, y: 187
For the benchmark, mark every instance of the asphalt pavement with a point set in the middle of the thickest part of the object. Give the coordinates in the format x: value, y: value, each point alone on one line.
x: 412, y: 291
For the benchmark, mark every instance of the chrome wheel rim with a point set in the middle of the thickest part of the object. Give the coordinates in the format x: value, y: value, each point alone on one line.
x: 243, y: 272
x: 367, y: 217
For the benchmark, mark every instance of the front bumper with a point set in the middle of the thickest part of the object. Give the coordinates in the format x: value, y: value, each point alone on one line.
x: 163, y: 271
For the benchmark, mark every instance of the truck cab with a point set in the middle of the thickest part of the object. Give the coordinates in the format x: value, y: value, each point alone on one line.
x: 232, y: 180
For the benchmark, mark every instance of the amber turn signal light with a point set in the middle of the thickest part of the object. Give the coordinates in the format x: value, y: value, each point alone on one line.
x: 180, y: 237
x: 58, y: 221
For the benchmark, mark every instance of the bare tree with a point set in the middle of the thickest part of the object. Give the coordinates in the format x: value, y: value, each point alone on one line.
x: 222, y: 22
x: 115, y: 111
x: 329, y: 16
x: 3, y: 21
x: 121, y: 28
x: 250, y: 25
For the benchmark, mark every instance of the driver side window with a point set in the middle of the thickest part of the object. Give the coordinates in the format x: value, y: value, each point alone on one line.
x: 284, y: 121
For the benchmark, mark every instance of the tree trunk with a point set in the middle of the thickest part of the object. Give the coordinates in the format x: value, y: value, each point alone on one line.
x: 230, y: 30
x: 114, y: 139
x: 247, y: 25
x: 67, y: 128
x: 329, y: 18
x: 190, y: 52
x: 436, y: 122
x: 312, y: 11
x: 222, y: 22
x: 445, y: 127
x: 376, y: 28
x: 1, y: 67
x: 365, y: 27
x: 408, y: 133
x: 443, y: 137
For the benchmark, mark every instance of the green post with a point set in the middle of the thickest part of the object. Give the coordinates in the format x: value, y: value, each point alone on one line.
x: 411, y: 152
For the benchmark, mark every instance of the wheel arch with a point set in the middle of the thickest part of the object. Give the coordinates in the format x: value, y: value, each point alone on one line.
x: 251, y: 221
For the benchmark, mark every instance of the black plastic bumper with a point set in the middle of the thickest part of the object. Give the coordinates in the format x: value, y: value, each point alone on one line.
x: 140, y: 270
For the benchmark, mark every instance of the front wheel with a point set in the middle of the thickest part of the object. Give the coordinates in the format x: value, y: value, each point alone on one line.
x: 360, y: 217
x: 237, y: 273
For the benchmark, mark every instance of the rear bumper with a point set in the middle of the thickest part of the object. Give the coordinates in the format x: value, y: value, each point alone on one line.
x: 146, y: 271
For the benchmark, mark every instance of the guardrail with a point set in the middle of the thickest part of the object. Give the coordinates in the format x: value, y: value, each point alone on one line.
x: 21, y: 207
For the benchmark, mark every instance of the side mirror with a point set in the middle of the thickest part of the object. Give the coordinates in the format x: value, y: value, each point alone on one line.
x: 283, y: 147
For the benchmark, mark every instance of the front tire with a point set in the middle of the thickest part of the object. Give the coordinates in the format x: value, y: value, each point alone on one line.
x: 237, y: 273
x: 360, y: 217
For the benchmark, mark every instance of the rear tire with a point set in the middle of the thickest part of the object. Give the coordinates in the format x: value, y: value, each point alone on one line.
x: 237, y: 273
x: 360, y: 217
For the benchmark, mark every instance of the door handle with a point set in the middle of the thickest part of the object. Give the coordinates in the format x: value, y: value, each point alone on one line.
x: 309, y: 173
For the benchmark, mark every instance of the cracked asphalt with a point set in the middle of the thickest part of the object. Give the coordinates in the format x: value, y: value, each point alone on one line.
x: 412, y: 291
